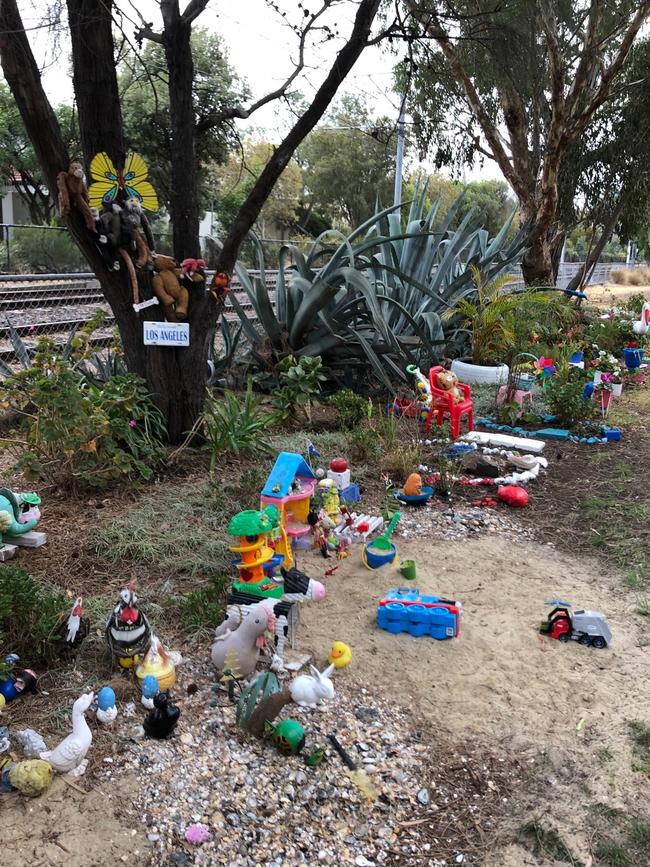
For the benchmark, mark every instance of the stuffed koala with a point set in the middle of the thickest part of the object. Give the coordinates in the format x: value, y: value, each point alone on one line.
x: 448, y: 381
x: 173, y: 296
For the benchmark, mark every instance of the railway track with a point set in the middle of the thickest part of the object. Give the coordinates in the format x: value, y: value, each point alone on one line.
x: 54, y: 304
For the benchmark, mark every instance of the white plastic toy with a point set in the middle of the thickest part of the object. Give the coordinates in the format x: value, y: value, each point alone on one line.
x: 71, y: 752
x: 309, y: 690
x: 642, y: 326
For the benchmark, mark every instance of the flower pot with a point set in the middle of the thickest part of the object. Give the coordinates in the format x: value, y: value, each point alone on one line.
x: 598, y: 375
x: 633, y: 358
x: 477, y: 374
x: 617, y: 389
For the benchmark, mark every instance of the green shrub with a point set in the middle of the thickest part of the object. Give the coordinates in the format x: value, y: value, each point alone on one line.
x: 74, y: 434
x: 234, y: 426
x: 45, y: 250
x: 301, y: 381
x: 634, y: 304
x: 31, y: 614
x: 204, y: 609
x: 351, y: 407
x: 610, y: 335
x: 565, y: 400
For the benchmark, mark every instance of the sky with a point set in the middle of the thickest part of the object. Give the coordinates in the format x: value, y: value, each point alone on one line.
x: 260, y: 47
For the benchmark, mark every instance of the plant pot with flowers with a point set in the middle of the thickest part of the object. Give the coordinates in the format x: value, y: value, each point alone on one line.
x: 616, y: 382
x: 604, y: 362
x: 633, y: 355
x: 603, y: 392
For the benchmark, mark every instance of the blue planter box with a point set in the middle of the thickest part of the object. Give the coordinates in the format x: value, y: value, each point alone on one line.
x: 633, y: 358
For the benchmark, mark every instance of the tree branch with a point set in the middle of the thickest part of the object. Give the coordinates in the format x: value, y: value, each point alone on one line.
x: 343, y: 63
x: 193, y: 9
x: 145, y: 32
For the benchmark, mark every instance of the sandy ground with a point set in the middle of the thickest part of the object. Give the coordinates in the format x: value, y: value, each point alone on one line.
x: 610, y: 294
x: 500, y: 683
x: 500, y: 686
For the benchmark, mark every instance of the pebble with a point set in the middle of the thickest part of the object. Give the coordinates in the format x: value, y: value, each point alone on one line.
x: 423, y: 797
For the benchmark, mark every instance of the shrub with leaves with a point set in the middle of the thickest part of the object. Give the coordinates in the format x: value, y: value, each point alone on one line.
x: 31, y: 614
x: 235, y: 426
x: 565, y: 400
x: 301, y: 384
x: 74, y: 434
x: 350, y: 406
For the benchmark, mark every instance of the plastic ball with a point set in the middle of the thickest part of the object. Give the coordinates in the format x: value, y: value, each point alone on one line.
x: 3, y: 701
x: 150, y: 686
x: 105, y: 698
x: 8, y: 689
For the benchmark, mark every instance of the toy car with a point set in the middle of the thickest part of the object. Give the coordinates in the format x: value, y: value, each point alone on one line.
x: 588, y: 628
x: 403, y: 609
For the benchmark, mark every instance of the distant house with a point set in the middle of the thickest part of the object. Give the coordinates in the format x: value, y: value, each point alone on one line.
x: 12, y: 209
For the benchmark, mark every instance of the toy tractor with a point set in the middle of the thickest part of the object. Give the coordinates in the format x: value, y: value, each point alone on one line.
x: 588, y: 628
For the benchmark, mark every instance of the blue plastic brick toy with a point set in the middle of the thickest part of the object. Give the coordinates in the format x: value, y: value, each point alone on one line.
x: 403, y: 609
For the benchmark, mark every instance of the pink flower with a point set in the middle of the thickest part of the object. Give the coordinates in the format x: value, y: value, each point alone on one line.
x: 132, y: 423
x: 197, y: 834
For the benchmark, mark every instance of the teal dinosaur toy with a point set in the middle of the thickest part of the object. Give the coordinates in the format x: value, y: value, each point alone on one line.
x: 19, y: 513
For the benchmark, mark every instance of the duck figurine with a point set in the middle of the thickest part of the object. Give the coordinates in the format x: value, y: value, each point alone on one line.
x: 159, y: 663
x: 70, y: 754
x: 127, y: 630
x: 161, y: 721
x: 340, y: 655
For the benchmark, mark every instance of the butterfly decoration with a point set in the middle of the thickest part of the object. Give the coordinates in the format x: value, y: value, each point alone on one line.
x: 131, y: 181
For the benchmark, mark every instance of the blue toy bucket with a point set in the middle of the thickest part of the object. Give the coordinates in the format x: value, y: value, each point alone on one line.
x: 374, y: 558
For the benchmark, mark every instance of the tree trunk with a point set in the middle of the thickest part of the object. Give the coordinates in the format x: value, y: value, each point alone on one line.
x: 95, y: 79
x: 537, y: 261
x: 584, y: 273
x: 183, y: 198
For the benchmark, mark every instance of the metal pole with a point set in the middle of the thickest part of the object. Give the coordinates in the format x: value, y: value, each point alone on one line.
x: 399, y: 156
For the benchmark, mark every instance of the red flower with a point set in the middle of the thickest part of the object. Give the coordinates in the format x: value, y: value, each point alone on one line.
x: 632, y: 344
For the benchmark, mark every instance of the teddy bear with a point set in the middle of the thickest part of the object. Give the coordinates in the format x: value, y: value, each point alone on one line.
x: 448, y: 382
x: 413, y: 485
x: 168, y: 289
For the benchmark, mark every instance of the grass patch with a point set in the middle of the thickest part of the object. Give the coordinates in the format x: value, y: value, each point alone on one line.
x: 604, y: 755
x: 605, y: 811
x: 643, y: 609
x: 547, y: 842
x: 612, y: 854
x: 639, y: 833
x: 640, y: 735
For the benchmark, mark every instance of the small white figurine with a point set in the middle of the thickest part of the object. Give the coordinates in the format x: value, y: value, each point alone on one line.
x: 309, y: 690
x: 70, y: 753
x: 31, y: 742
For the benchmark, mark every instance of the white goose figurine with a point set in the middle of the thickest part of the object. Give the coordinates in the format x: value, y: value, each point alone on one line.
x: 70, y: 753
x: 642, y: 326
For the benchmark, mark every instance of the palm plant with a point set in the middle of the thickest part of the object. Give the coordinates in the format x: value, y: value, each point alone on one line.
x: 373, y: 299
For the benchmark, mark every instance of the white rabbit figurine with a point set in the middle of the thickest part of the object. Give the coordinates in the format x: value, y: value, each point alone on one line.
x: 309, y: 690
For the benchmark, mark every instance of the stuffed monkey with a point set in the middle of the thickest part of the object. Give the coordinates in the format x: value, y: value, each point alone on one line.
x: 138, y: 225
x: 117, y: 233
x: 73, y: 192
x: 220, y: 286
x: 105, y: 244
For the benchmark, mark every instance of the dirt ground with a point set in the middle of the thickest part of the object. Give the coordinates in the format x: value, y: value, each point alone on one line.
x: 552, y: 707
x: 610, y: 294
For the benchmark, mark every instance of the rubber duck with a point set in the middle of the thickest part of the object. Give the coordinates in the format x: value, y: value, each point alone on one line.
x: 161, y: 722
x: 413, y: 485
x: 159, y: 663
x: 127, y: 630
x: 340, y: 655
x: 71, y: 752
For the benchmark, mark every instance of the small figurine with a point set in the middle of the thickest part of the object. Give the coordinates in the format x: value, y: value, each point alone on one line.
x: 106, y: 708
x: 331, y: 500
x: 31, y: 742
x: 342, y: 545
x: 70, y: 754
x: 4, y: 739
x: 127, y: 630
x: 19, y: 513
x: 161, y: 722
x: 448, y: 382
x: 413, y: 485
x: 159, y: 663
x: 589, y: 628
x: 315, y: 757
x: 246, y: 640
x: 31, y: 777
x: 220, y: 286
x: 340, y: 655
x: 309, y: 690
x: 150, y: 690
x: 73, y: 632
x: 288, y: 736
x: 17, y: 683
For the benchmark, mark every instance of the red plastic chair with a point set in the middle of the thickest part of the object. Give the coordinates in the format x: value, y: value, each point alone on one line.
x: 442, y: 403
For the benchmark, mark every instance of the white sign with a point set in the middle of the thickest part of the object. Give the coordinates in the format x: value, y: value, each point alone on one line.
x: 166, y: 334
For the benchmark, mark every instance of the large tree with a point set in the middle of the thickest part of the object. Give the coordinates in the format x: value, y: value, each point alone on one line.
x: 176, y: 376
x: 518, y: 82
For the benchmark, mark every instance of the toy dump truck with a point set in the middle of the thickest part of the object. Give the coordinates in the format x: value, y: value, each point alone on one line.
x: 586, y: 627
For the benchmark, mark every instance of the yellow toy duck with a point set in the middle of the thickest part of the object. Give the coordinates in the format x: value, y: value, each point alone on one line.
x: 340, y: 655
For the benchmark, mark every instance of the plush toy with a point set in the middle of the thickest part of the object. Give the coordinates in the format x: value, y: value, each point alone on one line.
x: 120, y: 238
x: 413, y: 485
x: 220, y: 286
x: 193, y: 274
x: 173, y: 296
x: 138, y: 226
x: 448, y: 382
x: 106, y: 247
x: 73, y: 193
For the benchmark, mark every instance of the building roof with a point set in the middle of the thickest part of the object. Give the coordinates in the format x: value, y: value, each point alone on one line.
x: 287, y: 466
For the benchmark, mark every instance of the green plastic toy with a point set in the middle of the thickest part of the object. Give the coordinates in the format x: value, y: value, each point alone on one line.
x: 288, y: 736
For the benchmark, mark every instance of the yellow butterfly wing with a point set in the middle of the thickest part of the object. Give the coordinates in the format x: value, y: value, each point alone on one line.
x: 135, y: 179
x: 105, y: 178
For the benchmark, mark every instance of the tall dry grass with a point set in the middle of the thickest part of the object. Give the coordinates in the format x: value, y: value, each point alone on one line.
x: 630, y: 276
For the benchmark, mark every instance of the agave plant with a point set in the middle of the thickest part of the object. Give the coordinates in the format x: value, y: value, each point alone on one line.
x: 374, y: 299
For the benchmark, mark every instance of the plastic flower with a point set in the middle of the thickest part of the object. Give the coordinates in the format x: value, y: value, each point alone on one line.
x: 197, y: 834
x: 544, y: 367
x: 132, y: 423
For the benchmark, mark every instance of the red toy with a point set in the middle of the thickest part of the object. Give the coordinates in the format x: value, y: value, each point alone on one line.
x: 338, y: 465
x: 443, y: 403
x: 513, y: 495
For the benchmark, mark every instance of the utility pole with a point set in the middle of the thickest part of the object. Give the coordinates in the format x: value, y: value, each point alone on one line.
x: 399, y: 156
